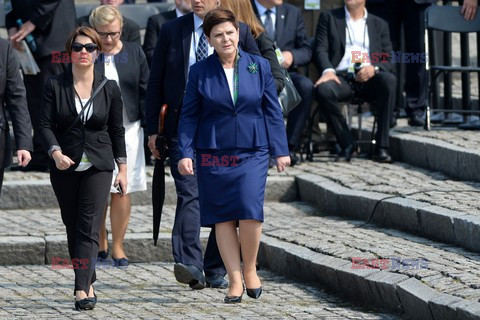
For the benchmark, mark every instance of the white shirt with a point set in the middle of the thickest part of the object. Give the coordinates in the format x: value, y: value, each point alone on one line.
x: 85, y: 163
x: 229, y: 73
x: 357, y: 39
x: 197, y: 25
x: 261, y: 12
x: 111, y: 73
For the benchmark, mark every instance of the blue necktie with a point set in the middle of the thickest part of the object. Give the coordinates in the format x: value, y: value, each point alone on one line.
x: 202, y: 49
x: 269, y: 24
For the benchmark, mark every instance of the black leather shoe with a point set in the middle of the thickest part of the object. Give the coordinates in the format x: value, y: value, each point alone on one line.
x: 254, y: 293
x: 234, y: 299
x: 190, y: 275
x: 382, y: 156
x: 471, y: 125
x: 216, y: 281
x: 415, y: 121
x: 347, y: 154
x: 85, y: 304
x: 293, y: 158
x: 121, y: 263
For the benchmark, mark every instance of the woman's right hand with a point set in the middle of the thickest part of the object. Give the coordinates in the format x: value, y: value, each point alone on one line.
x: 62, y: 161
x: 185, y: 167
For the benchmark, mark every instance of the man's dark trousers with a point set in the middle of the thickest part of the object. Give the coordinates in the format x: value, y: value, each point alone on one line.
x: 379, y: 89
x: 186, y: 245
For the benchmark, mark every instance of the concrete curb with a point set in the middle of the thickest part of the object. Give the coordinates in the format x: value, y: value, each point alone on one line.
x: 379, y: 288
x: 436, y: 155
x: 423, y: 219
x: 39, y: 193
x: 21, y: 250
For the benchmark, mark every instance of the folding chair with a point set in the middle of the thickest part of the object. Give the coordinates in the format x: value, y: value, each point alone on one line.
x: 445, y: 19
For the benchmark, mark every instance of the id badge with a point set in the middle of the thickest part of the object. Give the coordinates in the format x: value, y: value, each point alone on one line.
x: 7, y: 6
x: 312, y: 4
x: 280, y: 58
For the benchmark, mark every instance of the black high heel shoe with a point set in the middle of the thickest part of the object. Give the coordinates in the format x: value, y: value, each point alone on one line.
x: 85, y: 304
x: 233, y: 299
x: 254, y: 293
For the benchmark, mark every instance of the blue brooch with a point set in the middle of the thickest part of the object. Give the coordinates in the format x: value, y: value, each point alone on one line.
x: 252, y: 67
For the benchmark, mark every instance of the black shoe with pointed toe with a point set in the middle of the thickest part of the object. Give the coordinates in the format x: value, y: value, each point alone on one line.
x: 254, y: 293
x: 85, y: 304
x: 233, y: 299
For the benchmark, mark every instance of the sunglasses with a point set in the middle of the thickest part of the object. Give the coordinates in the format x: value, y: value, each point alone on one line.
x: 90, y: 47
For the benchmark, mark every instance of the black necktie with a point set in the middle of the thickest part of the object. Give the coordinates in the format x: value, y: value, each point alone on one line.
x: 269, y: 24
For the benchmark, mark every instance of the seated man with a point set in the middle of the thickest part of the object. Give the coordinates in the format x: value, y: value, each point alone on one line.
x: 352, y: 49
x: 130, y: 30
x: 284, y: 24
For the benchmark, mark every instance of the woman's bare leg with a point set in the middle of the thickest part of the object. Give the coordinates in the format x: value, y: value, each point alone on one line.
x: 250, y: 232
x: 120, y: 209
x: 229, y: 247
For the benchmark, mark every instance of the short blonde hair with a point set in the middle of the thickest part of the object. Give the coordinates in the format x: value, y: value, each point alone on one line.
x: 104, y: 15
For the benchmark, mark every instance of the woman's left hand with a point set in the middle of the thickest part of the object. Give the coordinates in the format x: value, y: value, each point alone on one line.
x: 121, y: 179
x: 282, y: 163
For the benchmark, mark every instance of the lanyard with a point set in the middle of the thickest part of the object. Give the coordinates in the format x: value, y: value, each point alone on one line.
x: 364, y: 35
x: 86, y: 107
x: 235, y: 79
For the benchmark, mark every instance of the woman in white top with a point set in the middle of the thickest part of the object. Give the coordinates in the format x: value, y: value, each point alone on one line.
x: 125, y: 63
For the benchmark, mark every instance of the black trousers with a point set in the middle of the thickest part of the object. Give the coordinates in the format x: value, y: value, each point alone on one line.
x: 1, y: 180
x: 34, y: 88
x: 186, y: 245
x: 298, y: 116
x: 82, y: 197
x: 409, y: 16
x: 379, y: 89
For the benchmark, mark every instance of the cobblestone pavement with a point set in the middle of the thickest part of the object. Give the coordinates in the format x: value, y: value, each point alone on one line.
x: 149, y: 291
x: 448, y: 269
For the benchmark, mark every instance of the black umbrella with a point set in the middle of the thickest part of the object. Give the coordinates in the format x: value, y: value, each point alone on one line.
x: 158, y: 181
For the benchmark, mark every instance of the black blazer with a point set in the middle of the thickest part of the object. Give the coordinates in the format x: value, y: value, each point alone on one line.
x: 133, y: 75
x: 130, y: 29
x: 102, y: 137
x: 290, y: 33
x: 168, y: 73
x: 54, y: 20
x: 267, y: 49
x: 330, y: 39
x: 12, y: 97
x: 154, y: 25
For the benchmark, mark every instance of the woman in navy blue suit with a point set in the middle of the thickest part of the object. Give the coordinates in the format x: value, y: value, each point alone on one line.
x: 232, y: 120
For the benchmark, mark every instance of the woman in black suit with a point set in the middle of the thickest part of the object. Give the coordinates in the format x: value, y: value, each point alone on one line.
x: 83, y: 147
x: 125, y: 63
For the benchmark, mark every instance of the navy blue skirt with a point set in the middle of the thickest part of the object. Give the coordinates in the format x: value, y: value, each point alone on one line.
x: 231, y: 184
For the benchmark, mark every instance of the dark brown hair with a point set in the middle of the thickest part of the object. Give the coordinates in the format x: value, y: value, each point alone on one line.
x: 83, y: 31
x: 218, y: 16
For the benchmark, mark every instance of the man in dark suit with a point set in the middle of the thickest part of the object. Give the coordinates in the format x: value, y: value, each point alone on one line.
x: 130, y: 29
x: 156, y: 21
x: 345, y: 37
x: 284, y: 24
x: 12, y: 97
x: 180, y: 44
x: 49, y: 22
x: 409, y: 15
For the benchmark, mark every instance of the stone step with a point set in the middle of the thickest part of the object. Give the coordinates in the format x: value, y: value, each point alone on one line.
x: 33, y: 190
x: 448, y: 150
x: 428, y: 280
x: 422, y: 278
x: 356, y: 189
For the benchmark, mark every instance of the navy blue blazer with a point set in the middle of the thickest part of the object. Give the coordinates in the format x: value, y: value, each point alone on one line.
x: 168, y: 72
x: 210, y: 120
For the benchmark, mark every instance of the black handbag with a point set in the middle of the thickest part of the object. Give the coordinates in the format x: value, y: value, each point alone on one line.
x: 289, y: 97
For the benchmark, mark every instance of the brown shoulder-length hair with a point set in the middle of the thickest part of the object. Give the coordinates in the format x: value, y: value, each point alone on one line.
x: 216, y: 17
x: 243, y: 10
x: 83, y: 31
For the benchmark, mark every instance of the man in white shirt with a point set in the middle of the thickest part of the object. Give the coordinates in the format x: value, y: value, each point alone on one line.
x: 352, y: 52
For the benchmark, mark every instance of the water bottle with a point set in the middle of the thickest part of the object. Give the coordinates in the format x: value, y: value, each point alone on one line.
x: 29, y: 39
